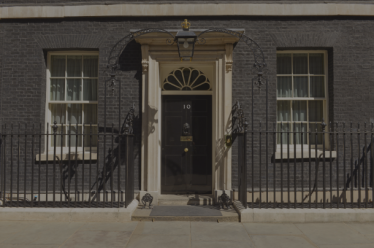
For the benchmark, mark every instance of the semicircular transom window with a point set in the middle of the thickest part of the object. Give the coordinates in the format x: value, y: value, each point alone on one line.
x: 186, y: 78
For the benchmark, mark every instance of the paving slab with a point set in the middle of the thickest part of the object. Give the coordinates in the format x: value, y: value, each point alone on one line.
x: 29, y: 234
x: 272, y: 229
x: 110, y: 226
x: 268, y: 241
x: 332, y: 233
x: 366, y: 229
x: 11, y: 228
x: 164, y: 228
x: 217, y: 232
x: 348, y: 246
x: 222, y: 244
x: 90, y: 238
x: 162, y: 241
x: 56, y: 233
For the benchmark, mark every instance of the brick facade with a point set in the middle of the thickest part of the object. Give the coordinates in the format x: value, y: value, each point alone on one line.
x: 24, y: 44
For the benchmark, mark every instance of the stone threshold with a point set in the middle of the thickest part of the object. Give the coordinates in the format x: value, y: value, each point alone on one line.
x: 305, y: 215
x: 69, y: 214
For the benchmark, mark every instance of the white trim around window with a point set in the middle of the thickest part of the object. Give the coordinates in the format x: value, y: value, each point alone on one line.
x: 76, y: 96
x: 290, y: 95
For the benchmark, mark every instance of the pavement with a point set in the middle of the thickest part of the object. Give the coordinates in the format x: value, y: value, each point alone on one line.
x: 32, y: 234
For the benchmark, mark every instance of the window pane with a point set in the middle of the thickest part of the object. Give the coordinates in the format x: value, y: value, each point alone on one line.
x: 73, y: 137
x: 74, y: 114
x: 316, y: 65
x: 57, y: 90
x: 301, y: 132
x: 58, y: 138
x: 90, y: 137
x: 74, y: 90
x: 58, y: 112
x: 90, y: 114
x: 299, y: 110
x: 90, y: 89
x: 284, y: 86
x: 57, y: 66
x: 283, y: 111
x: 283, y: 127
x: 90, y: 66
x: 74, y: 65
x: 316, y: 111
x: 300, y: 86
x: 317, y: 86
x: 316, y: 131
x: 300, y: 63
x: 284, y: 63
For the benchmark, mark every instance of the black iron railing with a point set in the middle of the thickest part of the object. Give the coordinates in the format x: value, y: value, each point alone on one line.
x: 323, y: 167
x: 64, y: 168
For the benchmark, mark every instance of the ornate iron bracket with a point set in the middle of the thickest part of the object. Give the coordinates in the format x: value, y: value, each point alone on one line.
x: 147, y: 198
x: 127, y: 127
x: 238, y: 119
x: 224, y: 200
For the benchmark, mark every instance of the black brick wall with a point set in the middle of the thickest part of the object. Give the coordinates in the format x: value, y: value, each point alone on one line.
x: 349, y: 42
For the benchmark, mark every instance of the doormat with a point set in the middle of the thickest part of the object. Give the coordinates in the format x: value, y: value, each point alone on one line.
x: 185, y: 211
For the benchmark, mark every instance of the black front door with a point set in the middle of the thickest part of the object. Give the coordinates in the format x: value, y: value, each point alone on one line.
x: 186, y: 156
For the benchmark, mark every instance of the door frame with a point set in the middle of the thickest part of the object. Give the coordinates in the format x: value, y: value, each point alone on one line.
x: 154, y: 60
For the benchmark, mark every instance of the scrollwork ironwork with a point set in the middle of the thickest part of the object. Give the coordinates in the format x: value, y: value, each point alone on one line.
x: 127, y: 126
x: 224, y: 200
x: 239, y: 119
x: 147, y: 198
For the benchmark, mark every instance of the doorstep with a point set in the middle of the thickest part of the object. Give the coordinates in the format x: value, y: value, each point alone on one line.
x: 209, y: 213
x: 69, y: 214
x: 305, y: 215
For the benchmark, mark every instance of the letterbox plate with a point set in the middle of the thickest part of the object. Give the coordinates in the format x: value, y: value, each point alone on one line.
x: 186, y: 138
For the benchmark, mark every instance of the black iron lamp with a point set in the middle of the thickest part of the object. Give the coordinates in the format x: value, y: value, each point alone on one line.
x: 186, y: 40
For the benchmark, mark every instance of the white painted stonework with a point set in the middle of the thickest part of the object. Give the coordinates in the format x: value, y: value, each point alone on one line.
x: 214, y: 59
x: 189, y: 9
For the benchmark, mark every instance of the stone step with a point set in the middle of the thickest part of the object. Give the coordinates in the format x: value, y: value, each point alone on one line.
x: 180, y: 200
x: 185, y: 213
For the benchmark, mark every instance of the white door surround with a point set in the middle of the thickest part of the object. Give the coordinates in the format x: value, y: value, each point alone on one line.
x: 214, y: 59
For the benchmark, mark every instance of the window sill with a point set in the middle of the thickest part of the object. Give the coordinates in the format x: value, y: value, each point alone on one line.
x: 65, y: 156
x: 328, y: 154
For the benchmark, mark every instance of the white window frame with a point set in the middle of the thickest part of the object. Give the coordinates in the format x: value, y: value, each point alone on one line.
x: 48, y: 115
x: 324, y: 99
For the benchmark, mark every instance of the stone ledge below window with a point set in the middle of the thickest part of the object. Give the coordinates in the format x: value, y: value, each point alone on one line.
x: 328, y: 154
x: 65, y: 156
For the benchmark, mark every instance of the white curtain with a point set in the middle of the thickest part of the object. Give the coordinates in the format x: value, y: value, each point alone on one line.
x: 282, y: 137
x: 284, y: 63
x: 74, y: 114
x: 74, y: 90
x: 299, y: 110
x: 57, y: 66
x: 57, y: 90
x: 284, y: 86
x: 317, y: 86
x: 301, y: 128
x: 283, y: 111
x: 316, y: 63
x: 90, y: 89
x: 316, y: 111
x: 300, y: 63
x: 90, y: 66
x: 74, y: 65
x: 90, y: 114
x: 300, y: 87
x: 58, y: 113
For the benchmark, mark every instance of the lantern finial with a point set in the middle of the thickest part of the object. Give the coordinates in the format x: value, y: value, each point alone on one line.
x: 186, y: 25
